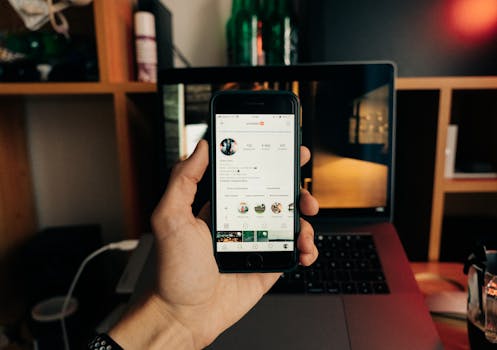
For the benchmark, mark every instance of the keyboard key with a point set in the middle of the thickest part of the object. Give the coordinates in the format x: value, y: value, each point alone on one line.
x: 364, y: 288
x: 315, y: 287
x: 363, y: 264
x: 341, y: 276
x: 333, y: 288
x: 334, y: 265
x: 297, y: 276
x: 360, y: 275
x: 342, y: 254
x: 349, y: 288
x: 348, y: 264
x: 313, y: 275
x: 356, y: 255
x: 377, y: 276
x: 380, y: 288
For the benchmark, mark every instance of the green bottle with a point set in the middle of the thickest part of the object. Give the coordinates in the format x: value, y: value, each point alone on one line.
x: 230, y: 31
x: 290, y: 33
x: 272, y: 35
x: 280, y: 34
x: 261, y: 17
x: 245, y: 49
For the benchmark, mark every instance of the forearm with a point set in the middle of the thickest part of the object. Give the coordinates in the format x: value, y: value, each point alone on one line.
x: 149, y: 326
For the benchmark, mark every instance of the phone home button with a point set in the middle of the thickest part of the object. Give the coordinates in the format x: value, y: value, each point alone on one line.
x: 254, y: 261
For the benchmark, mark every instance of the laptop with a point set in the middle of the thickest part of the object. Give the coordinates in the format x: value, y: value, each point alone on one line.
x: 361, y: 293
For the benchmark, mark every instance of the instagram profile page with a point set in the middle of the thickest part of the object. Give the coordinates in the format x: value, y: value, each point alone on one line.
x: 255, y: 182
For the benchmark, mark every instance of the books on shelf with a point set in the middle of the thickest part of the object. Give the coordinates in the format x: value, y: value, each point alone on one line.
x: 174, y: 120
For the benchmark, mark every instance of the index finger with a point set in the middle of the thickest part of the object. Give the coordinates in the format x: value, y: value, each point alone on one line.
x: 305, y: 155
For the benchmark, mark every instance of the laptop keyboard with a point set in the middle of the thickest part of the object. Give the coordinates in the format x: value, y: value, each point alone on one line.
x: 347, y: 264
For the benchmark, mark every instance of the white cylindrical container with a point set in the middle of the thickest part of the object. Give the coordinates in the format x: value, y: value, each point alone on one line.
x: 146, y: 47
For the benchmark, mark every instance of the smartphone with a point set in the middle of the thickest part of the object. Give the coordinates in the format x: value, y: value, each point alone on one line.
x: 255, y: 164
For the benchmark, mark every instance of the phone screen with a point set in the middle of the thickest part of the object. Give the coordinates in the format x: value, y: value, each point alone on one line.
x: 255, y: 182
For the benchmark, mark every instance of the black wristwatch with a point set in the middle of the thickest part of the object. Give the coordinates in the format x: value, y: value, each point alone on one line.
x: 103, y: 342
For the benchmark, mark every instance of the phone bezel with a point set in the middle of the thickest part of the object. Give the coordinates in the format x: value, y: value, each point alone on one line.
x: 264, y: 102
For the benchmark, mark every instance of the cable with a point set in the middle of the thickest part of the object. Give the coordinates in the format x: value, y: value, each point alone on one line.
x: 125, y: 245
x: 55, y: 10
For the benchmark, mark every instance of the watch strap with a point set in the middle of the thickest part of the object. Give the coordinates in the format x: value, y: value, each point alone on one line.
x: 103, y: 342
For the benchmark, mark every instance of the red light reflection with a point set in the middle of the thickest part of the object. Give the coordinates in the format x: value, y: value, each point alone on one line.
x: 474, y: 19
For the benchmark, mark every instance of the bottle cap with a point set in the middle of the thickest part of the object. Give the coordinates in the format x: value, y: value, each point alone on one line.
x: 144, y: 24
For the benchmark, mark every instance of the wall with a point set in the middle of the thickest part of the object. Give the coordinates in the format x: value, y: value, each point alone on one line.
x: 199, y: 30
x: 73, y: 153
x: 424, y: 37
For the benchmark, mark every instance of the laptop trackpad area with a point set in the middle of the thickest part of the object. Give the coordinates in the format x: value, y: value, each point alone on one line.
x: 289, y: 322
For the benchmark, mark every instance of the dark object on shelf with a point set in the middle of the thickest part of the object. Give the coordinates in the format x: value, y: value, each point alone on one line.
x: 59, y: 58
x: 67, y: 72
x: 77, y: 63
x: 21, y: 71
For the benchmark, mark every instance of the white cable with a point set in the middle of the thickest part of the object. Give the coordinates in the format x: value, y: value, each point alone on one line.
x: 125, y: 245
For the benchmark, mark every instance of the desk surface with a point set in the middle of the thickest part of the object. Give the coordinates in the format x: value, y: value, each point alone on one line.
x: 440, y: 277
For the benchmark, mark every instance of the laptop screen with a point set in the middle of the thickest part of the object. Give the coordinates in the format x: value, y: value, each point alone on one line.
x: 347, y: 122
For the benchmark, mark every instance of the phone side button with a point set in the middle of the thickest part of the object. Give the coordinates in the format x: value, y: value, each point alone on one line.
x: 254, y: 261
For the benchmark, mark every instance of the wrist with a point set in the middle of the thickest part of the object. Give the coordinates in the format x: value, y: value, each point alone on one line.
x: 149, y: 325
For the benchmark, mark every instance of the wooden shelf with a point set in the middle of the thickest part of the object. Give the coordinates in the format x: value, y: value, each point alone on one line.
x: 446, y: 87
x: 454, y: 83
x: 75, y: 88
x: 470, y: 185
x: 114, y: 42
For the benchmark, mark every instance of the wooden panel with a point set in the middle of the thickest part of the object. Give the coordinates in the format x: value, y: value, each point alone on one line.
x: 17, y: 213
x: 472, y: 185
x: 435, y: 83
x: 438, y: 193
x: 126, y: 166
x: 74, y: 88
x: 114, y: 23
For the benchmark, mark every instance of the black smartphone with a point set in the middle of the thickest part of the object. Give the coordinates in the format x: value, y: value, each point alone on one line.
x: 255, y: 162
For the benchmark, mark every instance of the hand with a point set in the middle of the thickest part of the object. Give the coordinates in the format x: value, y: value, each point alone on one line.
x: 191, y: 295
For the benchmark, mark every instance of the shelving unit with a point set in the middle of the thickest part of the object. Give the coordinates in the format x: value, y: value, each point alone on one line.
x: 446, y: 87
x: 112, y: 21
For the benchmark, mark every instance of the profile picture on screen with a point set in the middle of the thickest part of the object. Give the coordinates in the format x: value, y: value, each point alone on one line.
x: 228, y: 147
